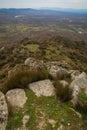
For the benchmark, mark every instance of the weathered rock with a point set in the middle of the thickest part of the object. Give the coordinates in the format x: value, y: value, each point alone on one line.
x: 3, y: 112
x: 78, y: 85
x: 64, y: 83
x: 62, y: 64
x: 30, y: 61
x: 41, y: 121
x: 61, y: 127
x: 83, y: 75
x: 2, y: 49
x: 52, y: 122
x: 16, y: 98
x: 33, y: 63
x: 44, y: 87
x: 56, y: 70
x: 74, y: 74
x: 53, y: 70
x: 25, y: 120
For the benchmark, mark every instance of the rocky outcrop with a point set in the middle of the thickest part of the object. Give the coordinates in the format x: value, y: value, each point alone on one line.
x: 52, y: 67
x: 42, y: 88
x: 62, y: 64
x: 3, y: 112
x: 74, y: 74
x: 34, y: 64
x: 62, y: 73
x: 16, y: 98
x: 53, y: 70
x: 56, y: 70
x: 78, y: 85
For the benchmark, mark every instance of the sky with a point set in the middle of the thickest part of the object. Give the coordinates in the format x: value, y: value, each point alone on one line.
x: 75, y: 4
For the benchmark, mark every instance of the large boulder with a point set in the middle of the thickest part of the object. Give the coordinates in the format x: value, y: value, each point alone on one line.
x: 42, y: 88
x: 79, y: 85
x: 3, y: 112
x: 16, y: 98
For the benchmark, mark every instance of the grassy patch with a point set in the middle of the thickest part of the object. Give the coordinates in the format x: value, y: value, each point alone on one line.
x: 32, y: 47
x: 41, y: 109
x: 51, y: 52
x: 14, y: 120
x: 30, y: 107
x: 47, y: 108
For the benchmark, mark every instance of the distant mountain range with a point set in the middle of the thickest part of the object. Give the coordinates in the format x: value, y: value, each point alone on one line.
x: 66, y: 10
x: 80, y: 11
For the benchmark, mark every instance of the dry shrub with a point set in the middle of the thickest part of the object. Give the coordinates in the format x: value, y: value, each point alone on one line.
x: 21, y: 76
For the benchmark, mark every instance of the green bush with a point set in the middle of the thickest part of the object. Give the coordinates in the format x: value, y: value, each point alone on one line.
x: 63, y: 93
x: 20, y: 77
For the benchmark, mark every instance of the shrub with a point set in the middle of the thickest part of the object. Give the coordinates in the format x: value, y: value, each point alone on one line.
x: 63, y: 93
x: 20, y: 77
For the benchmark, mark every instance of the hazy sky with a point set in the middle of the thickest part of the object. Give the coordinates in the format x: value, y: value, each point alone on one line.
x: 80, y: 4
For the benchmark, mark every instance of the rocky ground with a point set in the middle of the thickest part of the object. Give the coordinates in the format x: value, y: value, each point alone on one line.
x: 42, y: 95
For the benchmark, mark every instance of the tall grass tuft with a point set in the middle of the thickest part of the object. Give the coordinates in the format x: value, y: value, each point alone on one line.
x: 63, y: 93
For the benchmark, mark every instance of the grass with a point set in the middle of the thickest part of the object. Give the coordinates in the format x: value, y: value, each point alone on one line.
x: 43, y: 109
x: 82, y: 102
x: 66, y: 58
x: 14, y: 120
